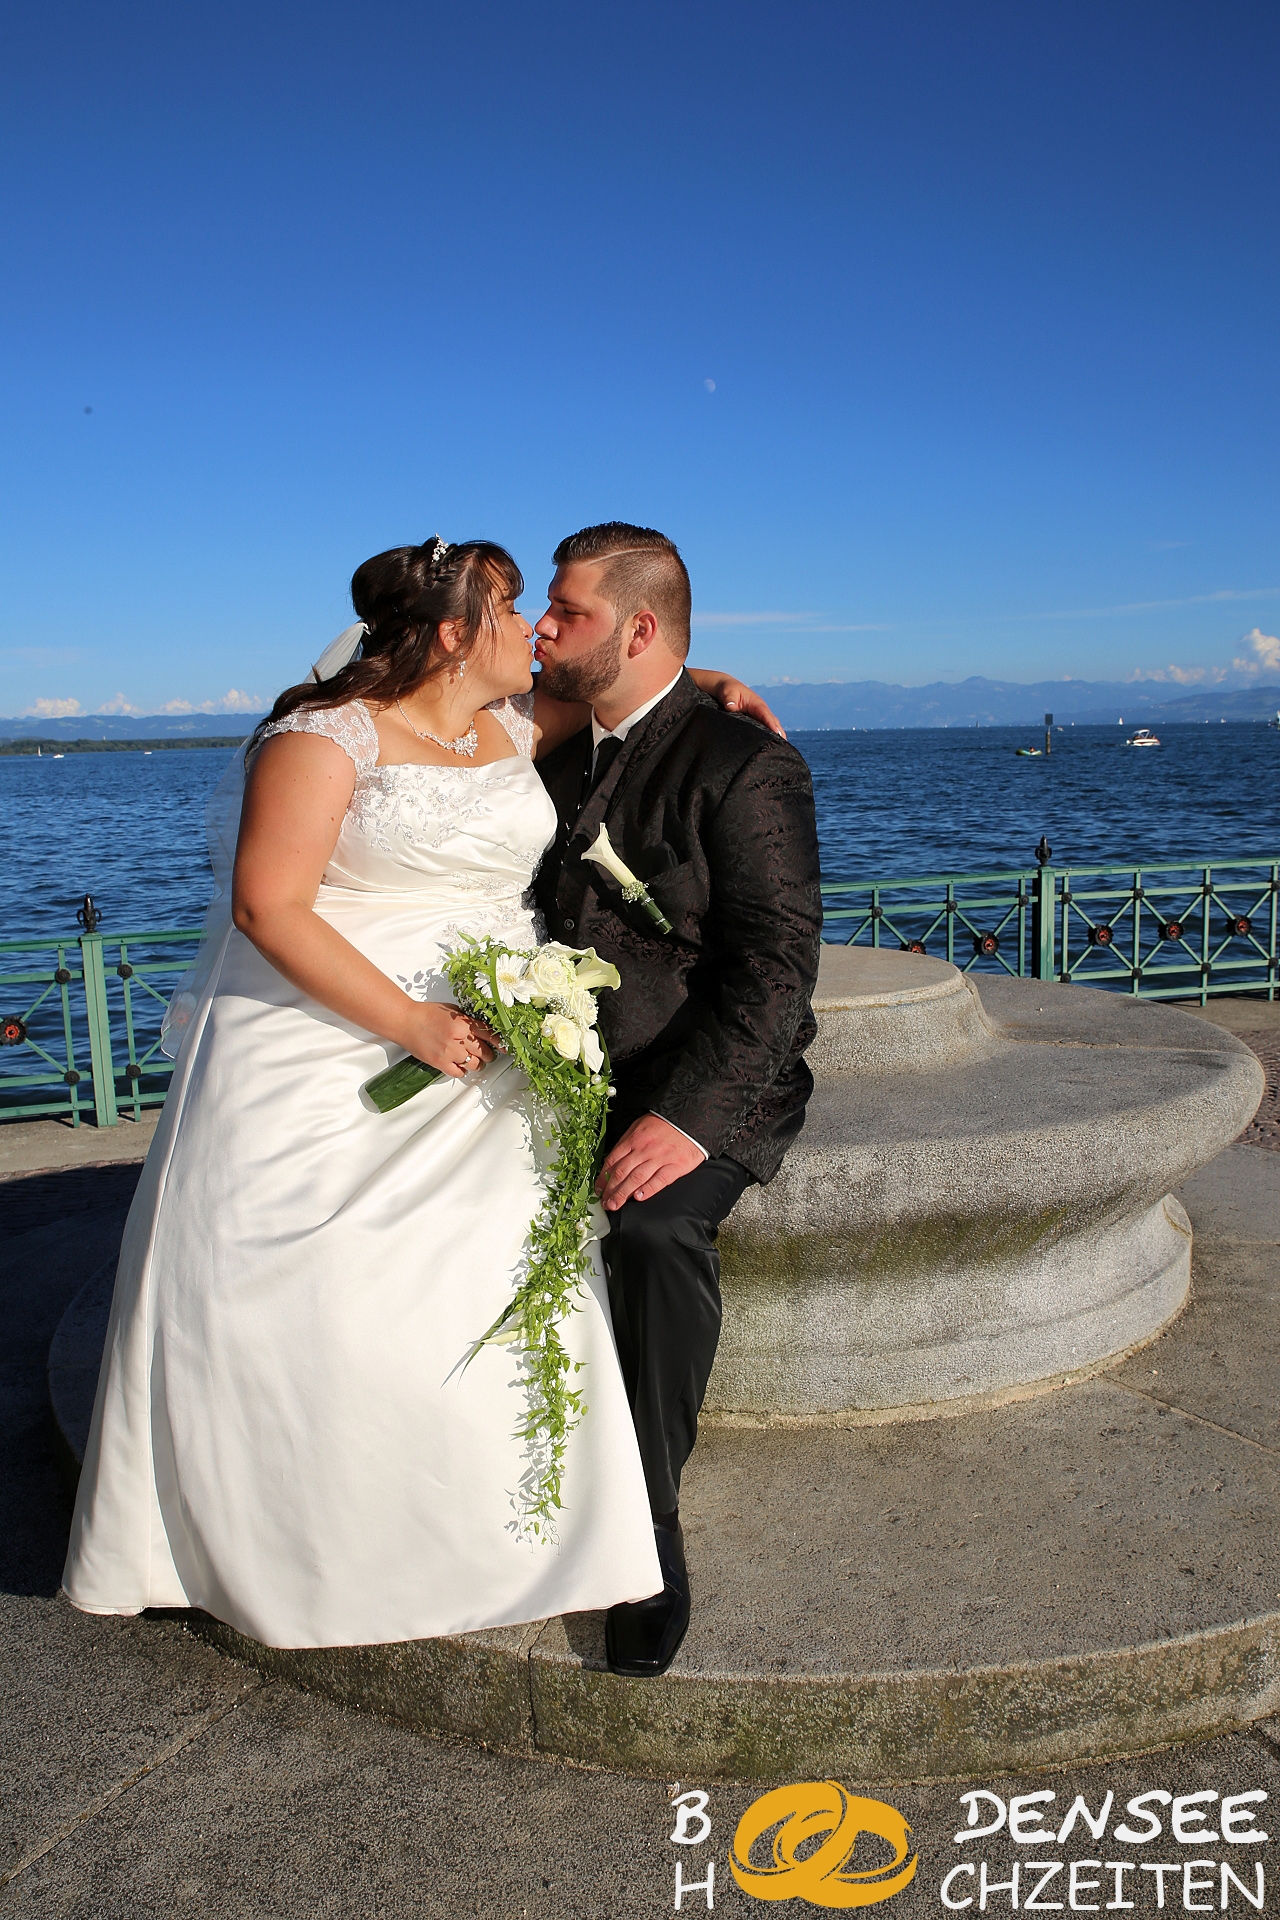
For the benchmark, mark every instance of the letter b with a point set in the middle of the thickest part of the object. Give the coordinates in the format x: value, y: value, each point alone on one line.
x: 690, y: 1807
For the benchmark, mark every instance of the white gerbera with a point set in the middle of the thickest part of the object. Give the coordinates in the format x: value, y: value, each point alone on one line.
x: 510, y: 973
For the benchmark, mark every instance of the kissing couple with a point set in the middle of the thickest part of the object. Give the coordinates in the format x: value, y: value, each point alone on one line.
x: 284, y: 1434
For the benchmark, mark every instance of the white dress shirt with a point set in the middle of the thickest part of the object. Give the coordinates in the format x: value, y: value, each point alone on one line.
x: 623, y: 728
x: 620, y: 732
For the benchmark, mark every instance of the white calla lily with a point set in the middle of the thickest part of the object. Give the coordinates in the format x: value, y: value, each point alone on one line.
x: 602, y: 852
x: 593, y: 973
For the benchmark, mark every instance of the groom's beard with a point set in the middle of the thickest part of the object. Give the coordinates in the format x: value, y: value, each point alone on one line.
x: 587, y: 677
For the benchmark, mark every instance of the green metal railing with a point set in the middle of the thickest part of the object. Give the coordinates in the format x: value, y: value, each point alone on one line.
x: 1172, y: 931
x: 80, y: 1021
x: 80, y: 1017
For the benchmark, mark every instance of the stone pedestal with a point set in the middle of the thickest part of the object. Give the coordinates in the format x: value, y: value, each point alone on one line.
x: 980, y: 1200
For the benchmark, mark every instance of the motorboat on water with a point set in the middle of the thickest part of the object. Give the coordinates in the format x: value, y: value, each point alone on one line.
x: 1029, y: 753
x: 1143, y: 738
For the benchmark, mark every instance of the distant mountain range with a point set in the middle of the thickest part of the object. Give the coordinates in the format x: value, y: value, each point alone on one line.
x: 155, y: 726
x: 831, y: 704
x: 840, y: 704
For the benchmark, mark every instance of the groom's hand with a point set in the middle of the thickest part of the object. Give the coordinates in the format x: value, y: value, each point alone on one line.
x: 650, y: 1155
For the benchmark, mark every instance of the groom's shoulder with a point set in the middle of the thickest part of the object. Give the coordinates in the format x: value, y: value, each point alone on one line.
x: 734, y: 741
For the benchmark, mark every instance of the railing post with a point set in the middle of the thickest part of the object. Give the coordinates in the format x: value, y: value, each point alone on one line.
x: 101, y: 1065
x: 1042, y: 956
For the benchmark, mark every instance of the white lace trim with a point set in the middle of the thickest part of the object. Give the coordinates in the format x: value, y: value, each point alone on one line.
x: 350, y: 727
x: 515, y: 713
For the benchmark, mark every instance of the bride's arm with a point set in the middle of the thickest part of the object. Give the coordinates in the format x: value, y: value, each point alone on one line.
x: 297, y: 793
x: 557, y: 720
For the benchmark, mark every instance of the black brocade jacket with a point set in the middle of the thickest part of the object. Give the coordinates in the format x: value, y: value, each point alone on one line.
x: 715, y: 815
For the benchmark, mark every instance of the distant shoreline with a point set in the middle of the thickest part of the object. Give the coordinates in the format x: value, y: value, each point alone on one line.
x: 50, y: 747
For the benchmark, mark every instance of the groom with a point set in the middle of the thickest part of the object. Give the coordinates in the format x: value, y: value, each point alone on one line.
x: 708, y: 1034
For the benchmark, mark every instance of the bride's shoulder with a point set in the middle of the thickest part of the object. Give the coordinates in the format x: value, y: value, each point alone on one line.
x: 349, y: 726
x: 515, y: 712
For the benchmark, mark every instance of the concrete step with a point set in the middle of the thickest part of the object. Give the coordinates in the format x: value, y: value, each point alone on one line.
x: 1083, y: 1572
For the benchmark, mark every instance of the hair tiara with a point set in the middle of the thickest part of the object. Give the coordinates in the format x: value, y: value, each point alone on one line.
x: 439, y: 549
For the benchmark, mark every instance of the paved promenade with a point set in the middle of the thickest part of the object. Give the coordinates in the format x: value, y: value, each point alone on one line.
x: 147, y: 1775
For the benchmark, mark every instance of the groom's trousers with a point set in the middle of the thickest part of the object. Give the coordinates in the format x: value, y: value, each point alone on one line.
x: 664, y: 1294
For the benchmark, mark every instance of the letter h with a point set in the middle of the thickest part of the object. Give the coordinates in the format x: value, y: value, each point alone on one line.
x: 707, y: 1886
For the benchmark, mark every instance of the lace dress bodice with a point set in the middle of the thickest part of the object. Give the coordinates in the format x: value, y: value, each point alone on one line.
x: 462, y: 839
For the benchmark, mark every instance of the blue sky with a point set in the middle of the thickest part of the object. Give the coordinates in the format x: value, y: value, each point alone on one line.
x: 988, y: 295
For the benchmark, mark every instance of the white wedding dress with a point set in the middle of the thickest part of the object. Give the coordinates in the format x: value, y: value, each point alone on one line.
x: 284, y: 1434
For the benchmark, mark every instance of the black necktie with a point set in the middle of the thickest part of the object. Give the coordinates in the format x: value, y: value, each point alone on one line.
x: 606, y: 753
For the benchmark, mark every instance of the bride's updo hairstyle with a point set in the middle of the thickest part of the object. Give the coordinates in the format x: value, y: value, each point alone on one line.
x: 402, y: 596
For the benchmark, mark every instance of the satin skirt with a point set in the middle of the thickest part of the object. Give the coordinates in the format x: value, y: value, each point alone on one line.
x: 284, y: 1433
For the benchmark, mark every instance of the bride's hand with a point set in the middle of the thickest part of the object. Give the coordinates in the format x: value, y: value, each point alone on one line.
x: 445, y: 1038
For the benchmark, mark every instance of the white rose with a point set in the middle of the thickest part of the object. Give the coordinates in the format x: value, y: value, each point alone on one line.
x: 563, y: 1034
x: 592, y: 1051
x: 549, y: 976
x: 578, y: 1004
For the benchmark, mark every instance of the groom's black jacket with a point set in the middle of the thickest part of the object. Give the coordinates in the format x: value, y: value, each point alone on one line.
x: 715, y: 815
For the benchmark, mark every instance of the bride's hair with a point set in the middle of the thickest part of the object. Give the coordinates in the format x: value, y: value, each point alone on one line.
x: 402, y: 596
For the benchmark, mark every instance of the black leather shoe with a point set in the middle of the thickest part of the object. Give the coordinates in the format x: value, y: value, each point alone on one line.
x: 642, y: 1637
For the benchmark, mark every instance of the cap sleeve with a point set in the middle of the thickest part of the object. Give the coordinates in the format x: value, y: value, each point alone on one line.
x: 516, y: 714
x: 350, y: 727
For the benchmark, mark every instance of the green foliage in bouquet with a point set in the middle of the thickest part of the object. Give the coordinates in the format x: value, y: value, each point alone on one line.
x: 542, y: 1006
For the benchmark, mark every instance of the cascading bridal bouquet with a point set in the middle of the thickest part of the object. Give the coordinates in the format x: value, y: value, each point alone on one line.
x: 542, y: 1006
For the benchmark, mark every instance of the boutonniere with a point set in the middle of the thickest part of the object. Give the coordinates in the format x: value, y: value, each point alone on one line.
x: 601, y: 851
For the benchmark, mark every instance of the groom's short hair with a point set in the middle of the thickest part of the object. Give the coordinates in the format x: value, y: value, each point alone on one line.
x: 643, y: 572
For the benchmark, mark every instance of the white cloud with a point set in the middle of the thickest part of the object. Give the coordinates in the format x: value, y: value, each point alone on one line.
x: 118, y: 704
x: 234, y: 701
x: 748, y: 619
x: 53, y: 710
x: 1159, y: 606
x: 1266, y: 653
x: 1181, y: 676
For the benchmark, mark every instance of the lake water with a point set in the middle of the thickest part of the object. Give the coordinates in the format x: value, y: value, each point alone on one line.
x: 128, y: 827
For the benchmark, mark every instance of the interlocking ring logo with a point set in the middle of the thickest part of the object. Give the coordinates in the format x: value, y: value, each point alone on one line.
x: 804, y: 1812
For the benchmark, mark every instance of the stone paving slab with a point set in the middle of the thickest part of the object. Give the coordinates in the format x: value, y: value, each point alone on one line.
x: 289, y: 1808
x: 1224, y: 1365
x: 29, y: 1146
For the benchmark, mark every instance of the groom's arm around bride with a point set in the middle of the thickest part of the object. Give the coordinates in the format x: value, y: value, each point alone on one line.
x: 715, y: 816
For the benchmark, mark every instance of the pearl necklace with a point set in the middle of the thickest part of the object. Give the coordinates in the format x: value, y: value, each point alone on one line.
x: 465, y: 743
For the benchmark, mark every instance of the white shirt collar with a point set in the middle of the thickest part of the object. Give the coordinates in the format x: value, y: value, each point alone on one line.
x: 623, y: 728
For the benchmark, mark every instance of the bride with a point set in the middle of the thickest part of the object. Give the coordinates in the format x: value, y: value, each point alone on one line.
x: 284, y: 1434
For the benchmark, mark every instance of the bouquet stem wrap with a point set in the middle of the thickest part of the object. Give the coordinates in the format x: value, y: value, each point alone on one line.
x: 542, y: 1007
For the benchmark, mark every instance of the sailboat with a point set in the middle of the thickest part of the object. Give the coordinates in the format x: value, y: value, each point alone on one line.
x: 1276, y: 722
